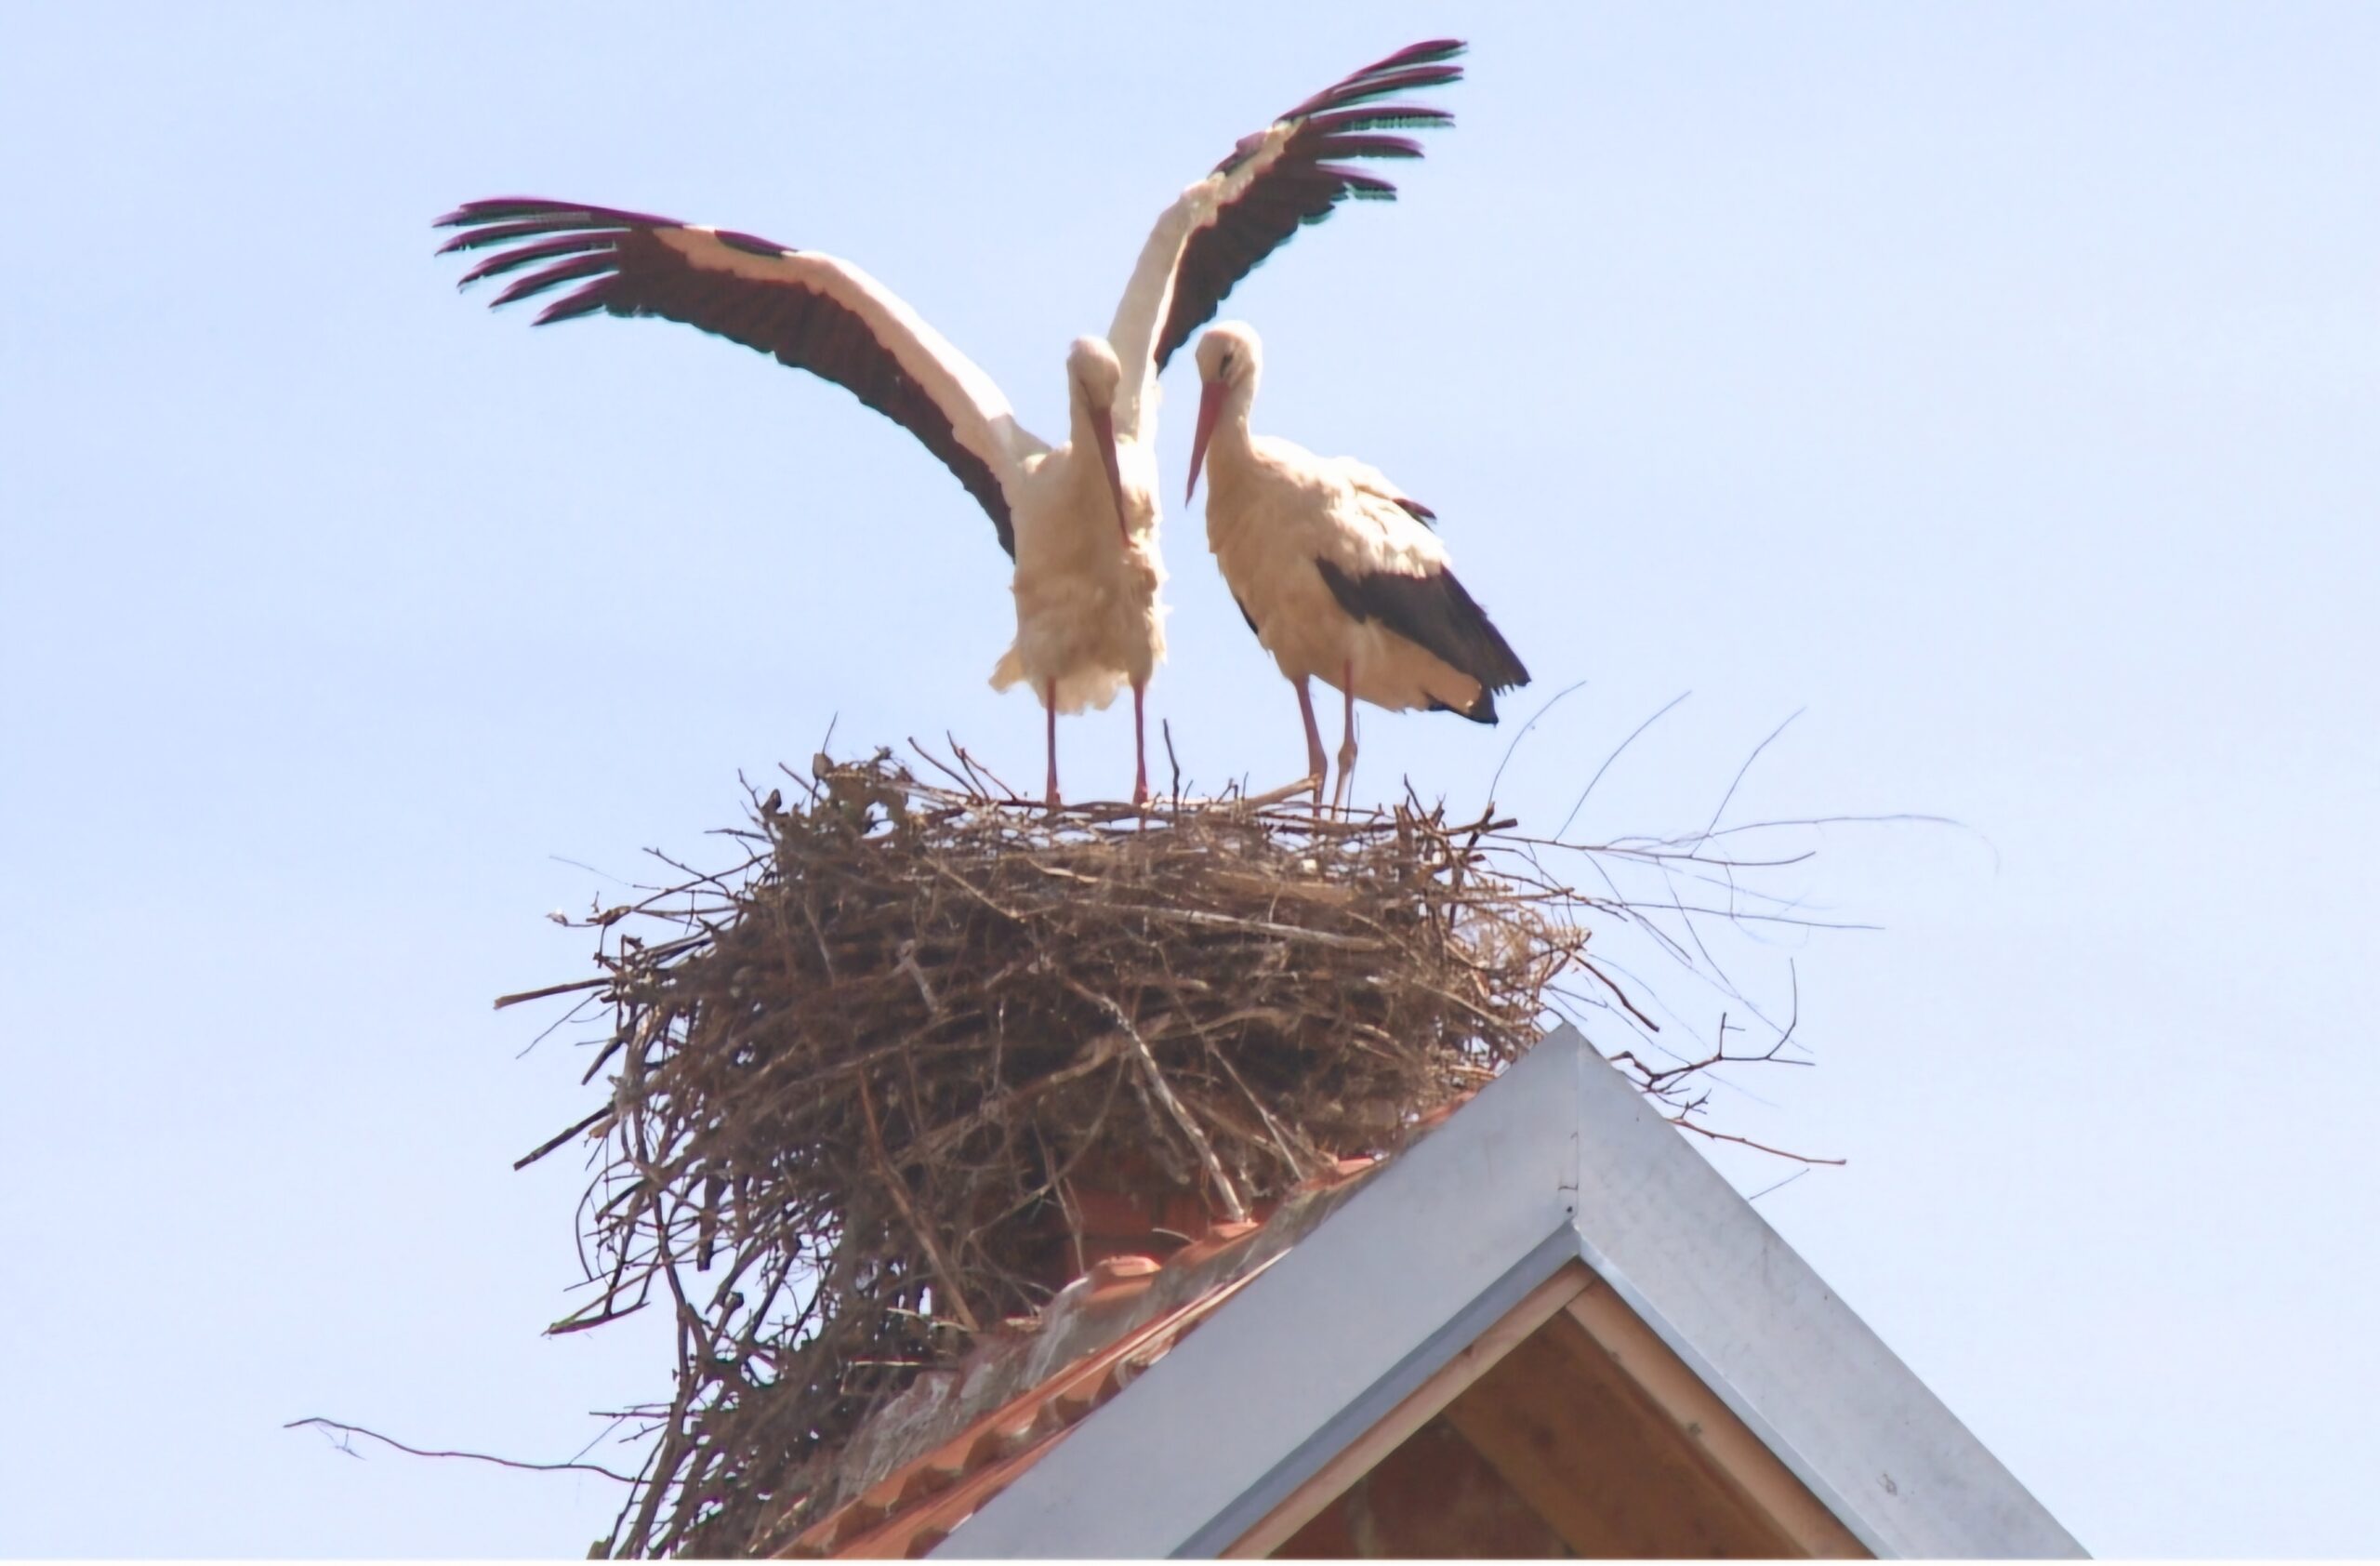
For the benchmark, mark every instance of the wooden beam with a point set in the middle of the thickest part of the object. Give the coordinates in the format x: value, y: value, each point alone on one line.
x: 1764, y: 1486
x: 1575, y: 1439
x: 1542, y: 1305
x: 1433, y: 1498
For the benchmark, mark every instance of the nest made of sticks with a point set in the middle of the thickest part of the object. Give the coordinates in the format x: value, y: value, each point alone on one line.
x: 854, y: 1084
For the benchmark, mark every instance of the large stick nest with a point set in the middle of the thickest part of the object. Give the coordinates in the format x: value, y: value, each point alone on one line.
x: 857, y: 1079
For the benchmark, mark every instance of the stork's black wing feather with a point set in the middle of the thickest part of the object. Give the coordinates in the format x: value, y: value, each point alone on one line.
x: 1307, y: 177
x: 1435, y: 613
x: 811, y: 311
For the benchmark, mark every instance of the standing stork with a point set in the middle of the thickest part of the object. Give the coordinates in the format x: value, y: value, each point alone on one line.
x: 1338, y: 571
x: 1088, y: 620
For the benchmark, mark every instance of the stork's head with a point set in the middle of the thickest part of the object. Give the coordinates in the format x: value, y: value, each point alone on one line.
x: 1229, y: 361
x: 1093, y: 377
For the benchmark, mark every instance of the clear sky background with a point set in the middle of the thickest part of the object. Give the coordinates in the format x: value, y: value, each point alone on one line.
x: 2000, y: 385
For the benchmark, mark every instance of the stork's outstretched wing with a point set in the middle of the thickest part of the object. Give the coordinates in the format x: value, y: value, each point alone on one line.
x: 814, y: 312
x: 1291, y: 173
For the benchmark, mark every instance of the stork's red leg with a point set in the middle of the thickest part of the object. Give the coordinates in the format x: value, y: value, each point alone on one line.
x: 1316, y: 767
x: 1049, y: 704
x: 1347, y: 746
x: 1139, y: 751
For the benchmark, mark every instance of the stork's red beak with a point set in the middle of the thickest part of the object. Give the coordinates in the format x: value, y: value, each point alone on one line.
x: 1210, y: 407
x: 1102, y: 427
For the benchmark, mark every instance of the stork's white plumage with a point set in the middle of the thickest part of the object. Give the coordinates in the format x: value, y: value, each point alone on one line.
x: 1078, y: 519
x: 1336, y: 569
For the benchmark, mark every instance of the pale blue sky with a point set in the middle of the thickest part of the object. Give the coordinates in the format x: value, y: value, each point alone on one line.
x: 1998, y: 384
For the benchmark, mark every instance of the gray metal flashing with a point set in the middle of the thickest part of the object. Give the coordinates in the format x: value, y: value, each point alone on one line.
x: 1227, y: 1409
x: 1698, y: 1265
x: 1435, y: 1353
x: 1559, y: 1157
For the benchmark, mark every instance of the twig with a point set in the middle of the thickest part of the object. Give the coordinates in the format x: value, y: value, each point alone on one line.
x: 1515, y: 743
x: 1681, y: 1121
x: 1233, y: 1206
x: 475, y: 1456
x: 1778, y: 1185
x: 893, y: 1186
x: 1737, y: 782
x: 1617, y: 994
x: 550, y: 1143
x: 936, y: 763
x: 1618, y: 750
x: 596, y: 983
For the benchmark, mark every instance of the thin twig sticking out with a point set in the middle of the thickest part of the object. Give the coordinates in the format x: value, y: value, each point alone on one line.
x: 320, y: 1423
x: 1700, y: 1130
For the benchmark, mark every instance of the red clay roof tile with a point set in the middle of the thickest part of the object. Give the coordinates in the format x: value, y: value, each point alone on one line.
x: 915, y: 1507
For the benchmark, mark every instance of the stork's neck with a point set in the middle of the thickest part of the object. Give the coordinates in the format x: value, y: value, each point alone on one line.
x: 1080, y: 428
x: 1231, y: 445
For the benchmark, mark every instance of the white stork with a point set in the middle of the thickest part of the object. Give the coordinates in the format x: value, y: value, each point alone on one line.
x: 1337, y: 570
x: 1088, y: 620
